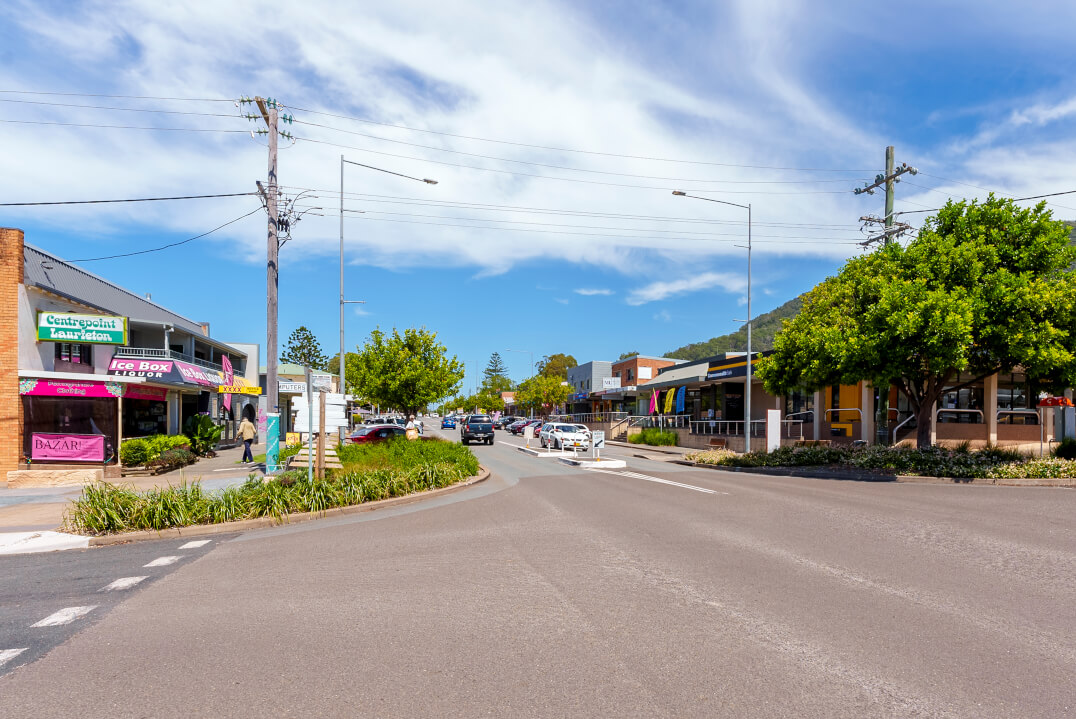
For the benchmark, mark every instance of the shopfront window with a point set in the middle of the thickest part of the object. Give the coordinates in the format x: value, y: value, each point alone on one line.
x: 143, y: 417
x: 799, y: 401
x: 67, y: 415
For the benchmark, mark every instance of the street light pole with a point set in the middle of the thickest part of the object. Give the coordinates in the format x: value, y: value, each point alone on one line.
x: 343, y: 302
x: 747, y: 385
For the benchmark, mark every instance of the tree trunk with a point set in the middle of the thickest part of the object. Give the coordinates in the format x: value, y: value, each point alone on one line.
x: 923, y: 416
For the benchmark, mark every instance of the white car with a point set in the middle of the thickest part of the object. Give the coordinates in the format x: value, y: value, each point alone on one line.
x: 560, y: 435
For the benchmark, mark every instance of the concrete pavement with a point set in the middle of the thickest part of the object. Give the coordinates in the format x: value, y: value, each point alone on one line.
x: 653, y: 591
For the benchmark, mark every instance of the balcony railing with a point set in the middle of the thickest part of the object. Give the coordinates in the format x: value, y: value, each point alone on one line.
x: 158, y: 353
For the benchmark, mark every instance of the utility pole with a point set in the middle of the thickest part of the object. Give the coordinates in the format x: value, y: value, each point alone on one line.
x: 890, y: 180
x: 268, y: 111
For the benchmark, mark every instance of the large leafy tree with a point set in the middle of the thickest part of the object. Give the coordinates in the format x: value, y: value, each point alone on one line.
x: 407, y: 372
x: 556, y: 365
x: 303, y: 348
x: 495, y: 378
x: 542, y: 393
x: 984, y: 288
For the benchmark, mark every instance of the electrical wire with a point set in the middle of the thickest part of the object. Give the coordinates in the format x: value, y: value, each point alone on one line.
x: 567, y: 167
x: 171, y: 244
x: 568, y: 149
x: 121, y: 127
x: 584, y: 227
x: 122, y: 109
x: 1014, y: 199
x: 566, y: 179
x: 486, y: 207
x: 117, y: 97
x: 135, y: 199
x: 596, y: 234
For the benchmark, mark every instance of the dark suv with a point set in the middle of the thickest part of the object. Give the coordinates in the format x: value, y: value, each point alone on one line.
x: 477, y: 427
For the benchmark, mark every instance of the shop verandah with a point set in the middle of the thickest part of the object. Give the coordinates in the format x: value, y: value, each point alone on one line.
x: 1000, y: 409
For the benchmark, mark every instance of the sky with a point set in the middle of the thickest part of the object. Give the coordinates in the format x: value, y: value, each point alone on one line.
x: 556, y: 132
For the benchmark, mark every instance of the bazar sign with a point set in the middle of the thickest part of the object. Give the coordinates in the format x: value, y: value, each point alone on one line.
x: 92, y: 329
x: 238, y: 389
x: 69, y: 388
x: 68, y: 447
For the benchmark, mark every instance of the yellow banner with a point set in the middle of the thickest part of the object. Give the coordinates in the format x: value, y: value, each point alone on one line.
x: 237, y: 389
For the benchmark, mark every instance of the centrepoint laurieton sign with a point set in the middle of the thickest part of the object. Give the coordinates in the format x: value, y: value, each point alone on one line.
x: 91, y: 329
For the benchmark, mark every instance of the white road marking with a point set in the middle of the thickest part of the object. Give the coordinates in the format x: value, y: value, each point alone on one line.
x: 636, y: 475
x: 122, y: 583
x: 163, y: 561
x: 64, y: 616
x: 197, y: 543
x: 6, y: 655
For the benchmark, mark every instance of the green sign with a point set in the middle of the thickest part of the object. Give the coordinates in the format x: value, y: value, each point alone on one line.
x: 91, y: 329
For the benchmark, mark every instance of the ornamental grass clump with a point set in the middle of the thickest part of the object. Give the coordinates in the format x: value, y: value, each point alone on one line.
x: 401, y: 468
x: 1048, y: 467
x: 655, y: 437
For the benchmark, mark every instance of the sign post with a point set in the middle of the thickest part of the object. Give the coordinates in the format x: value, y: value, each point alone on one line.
x: 597, y: 443
x: 309, y: 427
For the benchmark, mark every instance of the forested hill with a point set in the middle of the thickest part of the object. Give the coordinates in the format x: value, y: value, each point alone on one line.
x: 763, y: 330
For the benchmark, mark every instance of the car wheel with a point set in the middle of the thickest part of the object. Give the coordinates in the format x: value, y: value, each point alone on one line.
x: 465, y: 441
x: 490, y: 441
x: 557, y: 445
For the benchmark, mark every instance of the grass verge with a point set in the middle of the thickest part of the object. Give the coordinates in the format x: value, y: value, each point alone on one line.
x: 375, y: 472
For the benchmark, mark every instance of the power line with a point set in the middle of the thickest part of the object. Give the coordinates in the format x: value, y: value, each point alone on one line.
x: 565, y: 167
x: 516, y: 209
x: 135, y: 199
x: 172, y: 244
x: 584, y: 227
x: 117, y: 97
x: 562, y: 179
x: 568, y: 149
x: 595, y: 234
x: 122, y: 109
x: 1014, y: 199
x: 121, y: 127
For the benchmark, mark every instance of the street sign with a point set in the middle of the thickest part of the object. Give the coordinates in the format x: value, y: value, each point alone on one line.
x: 598, y: 439
x: 322, y: 382
x: 92, y: 329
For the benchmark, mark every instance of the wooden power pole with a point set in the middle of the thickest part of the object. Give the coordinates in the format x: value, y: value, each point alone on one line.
x: 321, y: 435
x: 272, y: 275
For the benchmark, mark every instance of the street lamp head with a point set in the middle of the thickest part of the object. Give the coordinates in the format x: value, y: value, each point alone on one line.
x: 429, y: 181
x: 680, y: 192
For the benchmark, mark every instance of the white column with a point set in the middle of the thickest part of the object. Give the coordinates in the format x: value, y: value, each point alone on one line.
x: 990, y: 407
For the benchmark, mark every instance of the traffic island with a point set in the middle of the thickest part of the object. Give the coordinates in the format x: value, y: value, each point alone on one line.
x: 588, y: 463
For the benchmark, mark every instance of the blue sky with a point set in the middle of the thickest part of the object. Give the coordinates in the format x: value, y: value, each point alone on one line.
x: 784, y: 105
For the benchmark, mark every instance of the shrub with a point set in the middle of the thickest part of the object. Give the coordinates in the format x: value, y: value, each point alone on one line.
x: 1052, y: 467
x: 134, y: 452
x: 655, y: 437
x: 712, y: 456
x: 174, y: 459
x: 1066, y: 449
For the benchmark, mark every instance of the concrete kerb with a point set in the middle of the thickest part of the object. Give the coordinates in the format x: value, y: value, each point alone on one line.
x: 853, y: 476
x: 263, y: 522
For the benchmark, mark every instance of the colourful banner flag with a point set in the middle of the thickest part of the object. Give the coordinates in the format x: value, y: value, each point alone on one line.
x: 226, y: 364
x: 681, y: 395
x: 654, y: 403
x: 670, y: 397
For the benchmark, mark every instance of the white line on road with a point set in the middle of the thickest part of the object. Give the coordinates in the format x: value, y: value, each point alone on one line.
x: 6, y: 655
x: 197, y: 543
x: 64, y: 616
x: 122, y: 583
x: 636, y: 475
x: 163, y: 561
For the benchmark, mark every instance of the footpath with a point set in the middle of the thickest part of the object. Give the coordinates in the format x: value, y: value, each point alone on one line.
x: 29, y: 517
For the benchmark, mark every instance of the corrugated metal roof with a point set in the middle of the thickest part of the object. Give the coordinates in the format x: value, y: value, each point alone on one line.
x: 48, y: 272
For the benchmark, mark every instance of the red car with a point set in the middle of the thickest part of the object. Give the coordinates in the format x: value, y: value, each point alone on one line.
x: 375, y: 433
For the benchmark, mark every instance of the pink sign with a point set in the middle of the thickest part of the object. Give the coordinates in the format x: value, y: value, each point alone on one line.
x: 69, y: 388
x: 228, y: 378
x: 151, y: 369
x: 68, y: 447
x: 200, y: 375
x: 135, y: 391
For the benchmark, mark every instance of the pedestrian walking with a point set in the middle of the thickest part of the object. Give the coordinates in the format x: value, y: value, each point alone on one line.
x: 247, y: 433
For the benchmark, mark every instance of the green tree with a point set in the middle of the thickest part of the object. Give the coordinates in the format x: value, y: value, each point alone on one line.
x: 303, y: 348
x: 984, y: 288
x: 556, y: 365
x: 542, y: 393
x: 333, y: 367
x: 408, y: 371
x: 625, y: 355
x: 495, y: 378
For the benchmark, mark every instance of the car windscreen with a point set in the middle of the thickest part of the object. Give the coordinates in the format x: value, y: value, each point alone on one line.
x: 361, y: 432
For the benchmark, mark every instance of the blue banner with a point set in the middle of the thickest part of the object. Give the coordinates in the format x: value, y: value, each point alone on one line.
x: 680, y: 395
x: 272, y: 443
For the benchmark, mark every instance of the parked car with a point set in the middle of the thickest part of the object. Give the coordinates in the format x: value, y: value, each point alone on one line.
x: 503, y: 422
x: 559, y: 435
x: 375, y: 433
x: 477, y: 427
x: 517, y: 426
x: 536, y: 426
x: 448, y: 423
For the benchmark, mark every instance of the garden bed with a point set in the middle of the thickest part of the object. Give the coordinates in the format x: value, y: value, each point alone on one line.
x: 390, y: 469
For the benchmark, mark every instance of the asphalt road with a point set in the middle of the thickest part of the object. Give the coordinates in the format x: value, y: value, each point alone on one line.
x: 653, y: 591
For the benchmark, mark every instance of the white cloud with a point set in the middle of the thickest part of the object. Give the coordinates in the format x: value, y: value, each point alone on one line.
x: 561, y: 300
x: 361, y: 312
x: 662, y: 289
x: 663, y: 316
x: 588, y: 292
